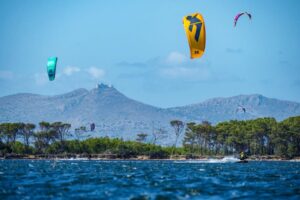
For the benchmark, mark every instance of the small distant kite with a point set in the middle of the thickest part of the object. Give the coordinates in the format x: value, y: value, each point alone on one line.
x: 239, y: 15
x: 195, y: 32
x: 241, y: 108
x: 51, y: 67
x: 93, y: 126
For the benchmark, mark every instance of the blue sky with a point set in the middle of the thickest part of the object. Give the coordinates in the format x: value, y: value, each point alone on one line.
x: 140, y: 47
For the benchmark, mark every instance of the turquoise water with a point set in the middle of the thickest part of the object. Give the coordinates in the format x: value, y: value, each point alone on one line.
x: 26, y: 179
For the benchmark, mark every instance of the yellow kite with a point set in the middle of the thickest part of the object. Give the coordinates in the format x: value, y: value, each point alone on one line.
x: 194, y: 27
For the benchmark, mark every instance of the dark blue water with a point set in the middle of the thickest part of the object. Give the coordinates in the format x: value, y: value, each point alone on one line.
x: 25, y: 179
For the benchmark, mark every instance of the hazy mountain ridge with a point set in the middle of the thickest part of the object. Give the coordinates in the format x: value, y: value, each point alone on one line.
x: 222, y: 109
x: 117, y: 115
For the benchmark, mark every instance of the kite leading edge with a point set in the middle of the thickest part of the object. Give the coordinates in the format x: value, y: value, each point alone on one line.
x: 239, y: 15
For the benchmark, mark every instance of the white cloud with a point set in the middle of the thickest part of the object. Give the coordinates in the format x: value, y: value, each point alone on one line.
x: 95, y: 72
x: 178, y: 65
x: 185, y: 72
x: 176, y: 58
x: 173, y: 66
x: 4, y: 74
x: 69, y: 70
x: 41, y: 78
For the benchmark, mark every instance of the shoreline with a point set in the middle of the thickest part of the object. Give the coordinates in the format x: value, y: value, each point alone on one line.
x: 136, y: 158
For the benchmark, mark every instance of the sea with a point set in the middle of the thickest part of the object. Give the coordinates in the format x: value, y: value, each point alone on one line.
x: 129, y: 179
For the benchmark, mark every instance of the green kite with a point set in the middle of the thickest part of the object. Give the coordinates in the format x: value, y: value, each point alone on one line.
x: 51, y: 67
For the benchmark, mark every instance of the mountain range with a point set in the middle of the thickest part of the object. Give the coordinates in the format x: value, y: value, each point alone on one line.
x: 119, y: 116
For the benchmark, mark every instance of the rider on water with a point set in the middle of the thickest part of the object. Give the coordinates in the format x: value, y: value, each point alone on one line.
x: 242, y: 156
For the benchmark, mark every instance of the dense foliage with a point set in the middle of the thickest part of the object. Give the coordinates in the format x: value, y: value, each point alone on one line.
x: 263, y: 136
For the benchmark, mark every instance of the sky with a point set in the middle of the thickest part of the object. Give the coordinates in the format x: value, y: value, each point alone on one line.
x: 141, y: 49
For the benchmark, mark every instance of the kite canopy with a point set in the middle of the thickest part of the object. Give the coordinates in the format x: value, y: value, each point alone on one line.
x: 93, y: 126
x: 241, y: 108
x: 239, y: 15
x: 51, y: 67
x: 194, y: 27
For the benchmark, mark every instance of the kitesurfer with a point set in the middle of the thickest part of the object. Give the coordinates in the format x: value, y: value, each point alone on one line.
x: 242, y: 156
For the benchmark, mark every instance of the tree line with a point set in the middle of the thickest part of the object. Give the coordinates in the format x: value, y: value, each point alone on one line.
x: 53, y: 138
x: 262, y: 136
x: 17, y: 137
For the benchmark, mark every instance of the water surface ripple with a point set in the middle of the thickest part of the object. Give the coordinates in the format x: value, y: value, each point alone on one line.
x: 30, y: 179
